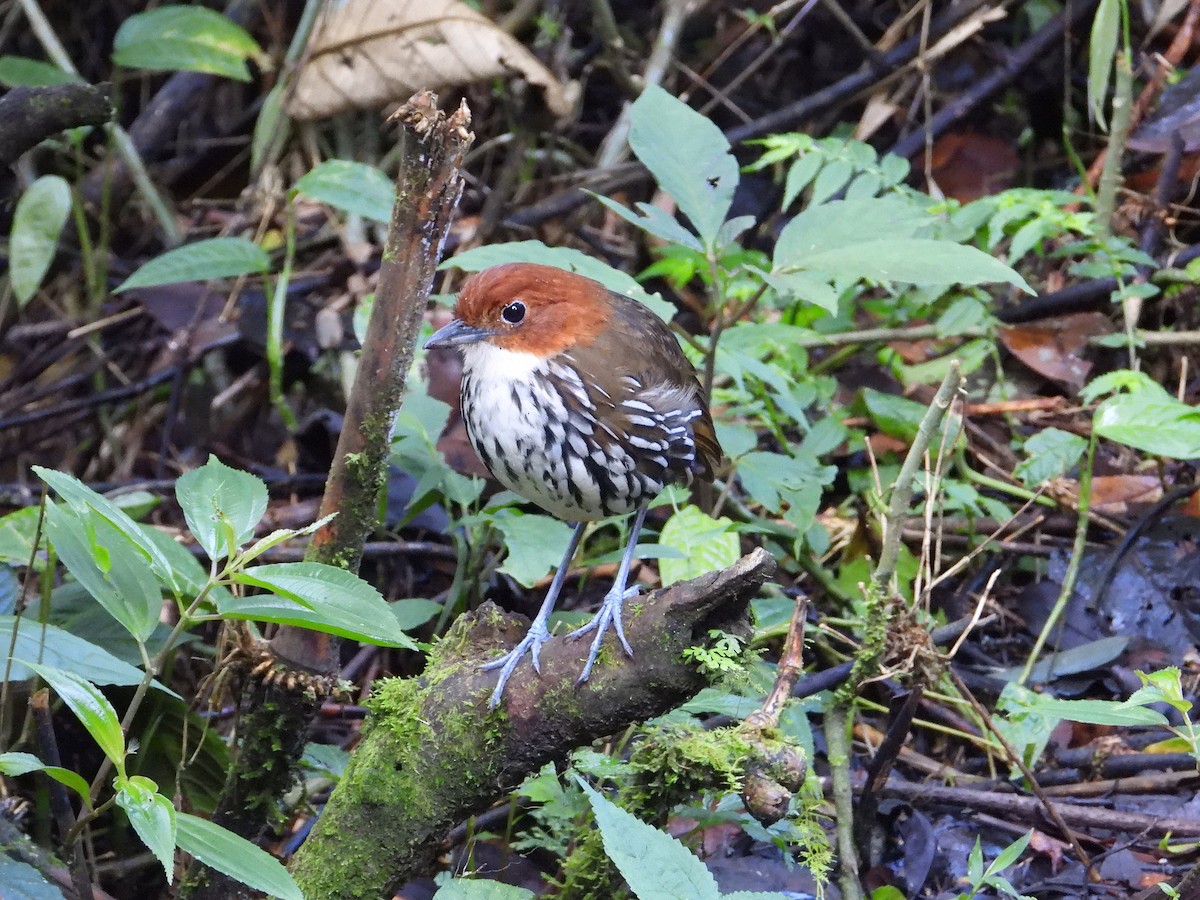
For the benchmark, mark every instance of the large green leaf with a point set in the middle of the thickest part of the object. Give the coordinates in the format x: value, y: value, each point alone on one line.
x: 23, y: 882
x: 1099, y: 712
x: 480, y: 889
x: 108, y: 565
x: 224, y: 257
x: 17, y: 531
x: 235, y: 856
x: 707, y: 544
x: 535, y: 545
x: 918, y: 261
x: 654, y: 864
x: 187, y: 38
x: 21, y: 71
x: 218, y: 500
x: 1102, y: 52
x: 15, y: 764
x: 91, y: 708
x: 1156, y: 424
x: 320, y: 597
x: 37, y: 222
x: 846, y: 223
x: 52, y: 645
x: 82, y: 498
x: 688, y: 156
x: 352, y: 187
x: 152, y: 817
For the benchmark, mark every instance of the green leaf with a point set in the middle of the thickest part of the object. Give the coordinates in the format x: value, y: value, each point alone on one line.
x: 688, y: 156
x: 215, y: 498
x: 223, y: 257
x: 1049, y: 453
x: 320, y: 597
x: 235, y: 856
x: 271, y: 128
x: 1123, y: 380
x: 655, y: 221
x: 915, y: 261
x: 1009, y: 854
x: 184, y: 38
x: 767, y: 895
x: 894, y: 415
x: 654, y: 864
x: 707, y: 544
x: 1102, y: 53
x: 109, y: 566
x: 413, y: 612
x: 846, y: 223
x: 479, y: 258
x: 1161, y: 426
x: 37, y: 222
x: 53, y: 646
x: 21, y: 71
x: 352, y: 187
x: 81, y: 498
x: 479, y: 889
x: 15, y: 764
x: 17, y: 531
x: 91, y: 708
x: 152, y: 817
x: 535, y: 543
x: 1099, y: 712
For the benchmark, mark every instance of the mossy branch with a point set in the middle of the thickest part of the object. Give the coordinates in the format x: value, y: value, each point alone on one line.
x: 432, y: 753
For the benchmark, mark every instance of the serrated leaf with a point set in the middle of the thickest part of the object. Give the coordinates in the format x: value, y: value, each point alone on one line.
x: 214, y: 497
x: 108, y: 566
x: 352, y: 187
x: 653, y: 864
x: 90, y: 707
x: 1048, y: 454
x: 224, y: 257
x: 184, y: 38
x: 320, y: 597
x: 235, y: 856
x: 707, y: 544
x: 535, y: 544
x: 152, y: 817
x: 37, y: 223
x: 81, y: 498
x: 688, y: 156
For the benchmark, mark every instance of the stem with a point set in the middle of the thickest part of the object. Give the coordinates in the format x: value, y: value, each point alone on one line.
x: 837, y: 736
x: 1068, y: 585
x: 275, y: 311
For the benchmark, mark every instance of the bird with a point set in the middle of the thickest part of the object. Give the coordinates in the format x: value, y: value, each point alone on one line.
x: 580, y: 400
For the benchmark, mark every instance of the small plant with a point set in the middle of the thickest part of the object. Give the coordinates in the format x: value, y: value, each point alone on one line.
x: 991, y: 877
x: 722, y: 657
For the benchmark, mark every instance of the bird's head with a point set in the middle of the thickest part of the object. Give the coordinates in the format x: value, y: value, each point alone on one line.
x: 526, y: 308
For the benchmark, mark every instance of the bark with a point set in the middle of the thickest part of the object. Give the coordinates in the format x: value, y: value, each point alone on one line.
x: 29, y: 115
x: 431, y: 753
x: 273, y: 729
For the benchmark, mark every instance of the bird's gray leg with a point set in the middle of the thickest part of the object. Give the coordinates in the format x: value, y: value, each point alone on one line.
x: 538, y: 633
x: 610, y: 607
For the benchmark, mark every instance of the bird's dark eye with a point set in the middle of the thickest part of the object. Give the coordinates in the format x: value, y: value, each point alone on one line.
x: 513, y: 313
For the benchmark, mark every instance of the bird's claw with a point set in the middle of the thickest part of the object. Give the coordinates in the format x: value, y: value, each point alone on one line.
x: 608, y: 614
x: 507, y: 664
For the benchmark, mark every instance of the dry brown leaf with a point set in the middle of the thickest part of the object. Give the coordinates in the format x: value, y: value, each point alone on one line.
x: 368, y: 53
x: 1053, y: 348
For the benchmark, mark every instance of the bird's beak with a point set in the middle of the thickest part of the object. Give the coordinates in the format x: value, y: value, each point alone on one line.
x: 456, y: 333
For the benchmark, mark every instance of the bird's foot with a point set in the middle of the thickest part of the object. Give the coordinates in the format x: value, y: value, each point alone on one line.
x: 507, y: 664
x: 608, y: 614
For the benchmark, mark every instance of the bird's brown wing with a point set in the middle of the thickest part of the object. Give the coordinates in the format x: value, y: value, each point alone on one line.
x: 646, y: 389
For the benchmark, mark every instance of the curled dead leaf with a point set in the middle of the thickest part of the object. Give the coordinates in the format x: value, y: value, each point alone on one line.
x: 367, y: 53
